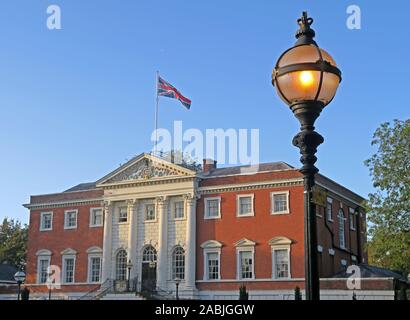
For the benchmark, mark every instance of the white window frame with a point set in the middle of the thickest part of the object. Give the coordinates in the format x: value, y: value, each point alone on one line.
x: 352, y: 222
x: 272, y: 202
x: 42, y: 214
x: 89, y: 272
x: 92, y: 225
x: 66, y: 227
x: 145, y: 212
x: 206, y: 216
x: 173, y: 211
x: 119, y: 214
x: 125, y: 264
x: 239, y: 250
x: 173, y: 263
x: 39, y: 258
x: 277, y: 248
x: 342, y: 245
x: 64, y: 265
x: 206, y: 271
x: 238, y: 205
x: 329, y: 201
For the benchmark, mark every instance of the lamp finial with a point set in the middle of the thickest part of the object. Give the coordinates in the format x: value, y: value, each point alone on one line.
x: 305, y: 34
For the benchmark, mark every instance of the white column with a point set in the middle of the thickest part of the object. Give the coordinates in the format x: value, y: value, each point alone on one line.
x: 190, y: 262
x: 107, y: 241
x: 132, y: 235
x: 162, y: 211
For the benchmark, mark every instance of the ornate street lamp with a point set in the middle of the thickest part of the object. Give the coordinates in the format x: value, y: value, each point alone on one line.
x: 306, y: 78
x: 20, y: 277
x: 177, y: 282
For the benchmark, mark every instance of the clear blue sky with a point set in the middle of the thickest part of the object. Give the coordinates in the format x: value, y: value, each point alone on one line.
x: 77, y: 102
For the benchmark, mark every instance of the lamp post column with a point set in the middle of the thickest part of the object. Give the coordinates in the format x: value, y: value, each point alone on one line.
x: 307, y: 140
x: 20, y: 277
x: 19, y: 287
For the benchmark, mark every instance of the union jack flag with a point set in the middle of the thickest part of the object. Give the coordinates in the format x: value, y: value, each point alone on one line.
x: 167, y: 90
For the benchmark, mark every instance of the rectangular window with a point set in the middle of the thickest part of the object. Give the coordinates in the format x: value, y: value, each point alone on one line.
x: 352, y: 219
x: 280, y: 202
x: 123, y: 214
x: 43, y: 265
x: 341, y: 218
x: 150, y: 212
x: 329, y: 209
x: 179, y: 210
x: 245, y: 205
x: 68, y: 270
x: 246, y: 261
x: 70, y: 219
x: 212, y: 208
x: 46, y: 221
x: 212, y: 259
x: 96, y: 217
x: 281, y: 263
x: 95, y: 269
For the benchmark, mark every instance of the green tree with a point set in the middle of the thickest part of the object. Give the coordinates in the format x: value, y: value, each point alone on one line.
x: 389, y: 206
x: 13, y: 242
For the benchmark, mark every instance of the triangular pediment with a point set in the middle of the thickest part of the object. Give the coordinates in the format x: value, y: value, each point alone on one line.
x: 145, y: 167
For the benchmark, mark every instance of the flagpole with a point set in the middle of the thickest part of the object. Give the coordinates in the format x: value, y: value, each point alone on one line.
x: 156, y: 117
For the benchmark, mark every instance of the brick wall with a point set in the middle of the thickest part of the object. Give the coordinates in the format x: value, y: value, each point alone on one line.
x: 59, y: 239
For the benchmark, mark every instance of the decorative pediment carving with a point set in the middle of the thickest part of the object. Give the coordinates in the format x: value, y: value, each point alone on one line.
x: 145, y: 168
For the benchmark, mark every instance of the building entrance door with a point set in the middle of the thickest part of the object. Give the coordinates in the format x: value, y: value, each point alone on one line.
x: 149, y: 269
x: 149, y: 276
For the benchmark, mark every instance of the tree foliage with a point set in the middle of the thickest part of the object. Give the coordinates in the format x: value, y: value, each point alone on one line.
x: 389, y: 205
x: 13, y: 242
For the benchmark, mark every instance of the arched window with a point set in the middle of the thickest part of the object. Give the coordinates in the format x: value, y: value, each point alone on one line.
x: 149, y: 254
x: 121, y: 265
x: 178, y: 263
x: 341, y: 217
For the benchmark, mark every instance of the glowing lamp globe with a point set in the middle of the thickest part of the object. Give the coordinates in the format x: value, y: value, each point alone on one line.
x: 305, y: 72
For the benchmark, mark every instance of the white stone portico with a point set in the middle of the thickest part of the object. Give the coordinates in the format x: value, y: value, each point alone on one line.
x: 142, y: 183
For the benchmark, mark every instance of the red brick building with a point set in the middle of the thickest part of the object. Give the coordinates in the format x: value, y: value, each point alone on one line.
x: 151, y: 221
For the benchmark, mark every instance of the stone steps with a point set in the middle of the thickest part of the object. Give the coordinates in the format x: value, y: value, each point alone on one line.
x: 122, y: 296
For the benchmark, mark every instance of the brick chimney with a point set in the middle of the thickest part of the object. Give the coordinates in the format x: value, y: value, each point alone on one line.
x: 208, y: 165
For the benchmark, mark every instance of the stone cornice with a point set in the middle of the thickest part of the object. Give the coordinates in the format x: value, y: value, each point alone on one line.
x: 61, y: 204
x: 251, y: 186
x: 150, y: 182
